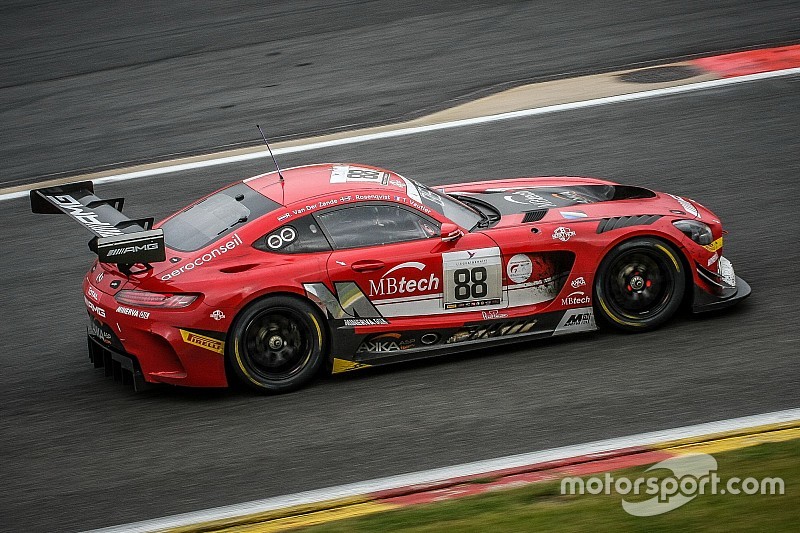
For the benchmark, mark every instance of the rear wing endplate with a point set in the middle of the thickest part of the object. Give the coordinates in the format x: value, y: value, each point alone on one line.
x: 118, y: 239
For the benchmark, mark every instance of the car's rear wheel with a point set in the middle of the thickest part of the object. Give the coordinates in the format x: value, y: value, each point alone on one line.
x: 639, y: 285
x: 277, y: 344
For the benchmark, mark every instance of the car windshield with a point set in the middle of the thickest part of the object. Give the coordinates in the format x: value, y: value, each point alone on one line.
x: 213, y: 218
x: 441, y: 202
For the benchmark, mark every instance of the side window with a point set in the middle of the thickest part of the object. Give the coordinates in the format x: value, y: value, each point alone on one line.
x: 371, y: 224
x: 302, y: 235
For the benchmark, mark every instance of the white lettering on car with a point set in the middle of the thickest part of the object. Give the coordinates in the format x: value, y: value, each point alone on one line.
x: 205, y: 258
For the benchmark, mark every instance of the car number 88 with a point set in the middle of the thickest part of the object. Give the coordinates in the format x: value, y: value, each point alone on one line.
x: 470, y: 283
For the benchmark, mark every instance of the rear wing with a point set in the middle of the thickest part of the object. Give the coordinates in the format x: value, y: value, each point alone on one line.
x: 118, y: 239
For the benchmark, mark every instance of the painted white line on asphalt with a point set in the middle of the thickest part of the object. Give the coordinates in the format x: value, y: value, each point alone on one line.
x: 655, y: 93
x: 449, y: 472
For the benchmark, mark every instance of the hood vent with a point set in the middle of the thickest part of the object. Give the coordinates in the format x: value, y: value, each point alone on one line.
x: 608, y: 224
x: 534, y: 216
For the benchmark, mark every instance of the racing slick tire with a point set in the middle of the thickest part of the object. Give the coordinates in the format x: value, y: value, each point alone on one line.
x: 639, y: 285
x: 277, y: 344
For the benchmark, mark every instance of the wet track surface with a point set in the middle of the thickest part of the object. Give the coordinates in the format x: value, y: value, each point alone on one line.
x: 80, y: 451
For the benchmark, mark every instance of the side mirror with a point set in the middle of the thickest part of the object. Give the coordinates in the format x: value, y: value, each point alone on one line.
x: 451, y: 232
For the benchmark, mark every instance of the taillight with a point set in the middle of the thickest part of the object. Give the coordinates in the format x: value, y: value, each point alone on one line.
x: 155, y: 299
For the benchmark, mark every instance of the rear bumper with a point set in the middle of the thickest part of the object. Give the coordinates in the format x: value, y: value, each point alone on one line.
x: 705, y: 302
x: 117, y: 364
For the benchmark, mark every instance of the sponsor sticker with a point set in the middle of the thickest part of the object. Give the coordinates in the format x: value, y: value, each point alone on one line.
x: 393, y: 283
x: 99, y: 311
x: 96, y: 330
x: 574, y: 320
x: 217, y: 315
x: 93, y: 293
x: 529, y: 198
x: 519, y: 268
x: 207, y: 257
x: 576, y: 298
x: 365, y: 322
x: 85, y: 216
x: 578, y: 282
x: 133, y: 312
x: 281, y: 237
x: 726, y: 271
x: 714, y: 246
x: 563, y: 234
x: 195, y: 339
x: 687, y: 206
x: 132, y: 249
x: 493, y: 315
x: 386, y: 342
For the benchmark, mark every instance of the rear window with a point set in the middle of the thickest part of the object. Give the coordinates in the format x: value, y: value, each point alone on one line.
x: 200, y: 225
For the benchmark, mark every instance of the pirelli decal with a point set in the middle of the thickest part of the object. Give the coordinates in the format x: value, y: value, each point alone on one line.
x: 209, y: 343
x: 714, y: 246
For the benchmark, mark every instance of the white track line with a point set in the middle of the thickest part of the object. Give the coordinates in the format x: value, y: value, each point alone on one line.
x: 655, y: 93
x: 449, y: 472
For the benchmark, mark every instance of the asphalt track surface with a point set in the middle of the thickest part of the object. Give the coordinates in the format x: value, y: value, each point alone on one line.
x: 79, y: 451
x: 85, y: 84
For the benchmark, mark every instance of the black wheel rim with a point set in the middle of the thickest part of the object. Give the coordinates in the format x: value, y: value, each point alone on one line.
x: 639, y: 284
x: 276, y: 344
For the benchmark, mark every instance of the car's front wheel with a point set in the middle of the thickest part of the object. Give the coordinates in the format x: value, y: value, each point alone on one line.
x: 639, y: 285
x: 277, y: 344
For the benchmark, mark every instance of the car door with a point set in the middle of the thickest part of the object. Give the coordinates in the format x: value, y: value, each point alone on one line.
x: 390, y: 264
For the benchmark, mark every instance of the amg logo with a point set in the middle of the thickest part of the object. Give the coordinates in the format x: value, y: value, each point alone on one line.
x: 97, y: 309
x: 579, y: 319
x: 86, y: 217
x: 133, y: 249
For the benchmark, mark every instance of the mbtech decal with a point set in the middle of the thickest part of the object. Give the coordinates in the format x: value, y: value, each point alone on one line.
x: 214, y: 345
x: 389, y: 285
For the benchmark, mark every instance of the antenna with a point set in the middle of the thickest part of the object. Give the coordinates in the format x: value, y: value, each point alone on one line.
x: 270, y: 153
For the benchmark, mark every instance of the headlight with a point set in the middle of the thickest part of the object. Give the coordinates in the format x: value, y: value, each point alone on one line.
x: 155, y: 299
x: 697, y: 231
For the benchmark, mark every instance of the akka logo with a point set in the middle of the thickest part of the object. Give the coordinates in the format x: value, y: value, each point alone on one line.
x: 563, y: 234
x: 388, y: 342
x: 576, y: 298
x: 578, y: 282
x: 133, y: 249
x: 390, y: 285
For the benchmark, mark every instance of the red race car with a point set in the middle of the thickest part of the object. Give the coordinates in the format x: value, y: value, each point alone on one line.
x: 343, y: 266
